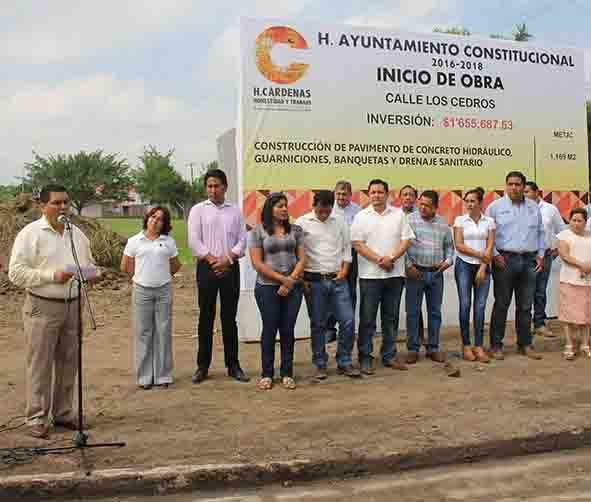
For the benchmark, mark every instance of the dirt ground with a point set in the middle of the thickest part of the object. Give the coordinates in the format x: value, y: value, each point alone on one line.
x: 223, y: 421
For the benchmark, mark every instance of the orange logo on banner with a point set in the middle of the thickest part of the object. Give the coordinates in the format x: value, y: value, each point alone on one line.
x: 264, y: 44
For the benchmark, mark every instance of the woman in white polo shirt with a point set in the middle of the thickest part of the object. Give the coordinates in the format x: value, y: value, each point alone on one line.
x: 151, y: 259
x: 474, y: 238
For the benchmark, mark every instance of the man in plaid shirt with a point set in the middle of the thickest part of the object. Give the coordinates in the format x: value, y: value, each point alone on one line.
x: 428, y: 256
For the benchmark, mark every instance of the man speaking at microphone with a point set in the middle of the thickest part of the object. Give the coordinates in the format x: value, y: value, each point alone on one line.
x: 41, y: 254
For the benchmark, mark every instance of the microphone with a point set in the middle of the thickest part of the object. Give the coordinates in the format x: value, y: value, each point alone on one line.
x: 64, y: 220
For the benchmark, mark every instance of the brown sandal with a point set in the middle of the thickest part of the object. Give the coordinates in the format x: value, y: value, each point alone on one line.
x: 481, y: 356
x: 288, y: 383
x: 265, y: 383
x: 468, y: 354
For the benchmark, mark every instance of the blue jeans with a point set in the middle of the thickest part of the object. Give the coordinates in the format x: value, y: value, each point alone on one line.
x: 330, y: 296
x: 352, y: 281
x: 540, y: 297
x: 421, y: 325
x: 430, y: 285
x: 279, y: 313
x: 465, y: 273
x: 384, y: 294
x: 519, y: 277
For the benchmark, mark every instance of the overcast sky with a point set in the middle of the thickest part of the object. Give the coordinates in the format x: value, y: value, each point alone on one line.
x: 121, y: 74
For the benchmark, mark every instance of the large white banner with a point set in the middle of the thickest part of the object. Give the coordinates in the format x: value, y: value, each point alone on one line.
x: 324, y: 102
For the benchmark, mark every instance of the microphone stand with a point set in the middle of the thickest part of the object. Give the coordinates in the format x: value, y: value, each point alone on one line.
x: 80, y: 439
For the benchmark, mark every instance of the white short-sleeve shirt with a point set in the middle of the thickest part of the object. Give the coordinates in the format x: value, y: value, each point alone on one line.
x: 152, y: 259
x: 382, y: 233
x: 326, y: 243
x: 475, y: 234
x: 579, y: 247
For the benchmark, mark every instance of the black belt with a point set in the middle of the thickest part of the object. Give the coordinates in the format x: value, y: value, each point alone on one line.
x: 517, y: 253
x: 57, y: 300
x: 427, y: 269
x: 318, y: 276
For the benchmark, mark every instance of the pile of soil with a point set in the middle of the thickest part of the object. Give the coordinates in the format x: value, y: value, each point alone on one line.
x: 106, y: 245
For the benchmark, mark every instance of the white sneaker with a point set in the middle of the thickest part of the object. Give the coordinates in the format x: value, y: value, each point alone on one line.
x: 545, y: 332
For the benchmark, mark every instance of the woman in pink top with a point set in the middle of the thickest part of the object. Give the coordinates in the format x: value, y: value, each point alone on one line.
x: 575, y: 283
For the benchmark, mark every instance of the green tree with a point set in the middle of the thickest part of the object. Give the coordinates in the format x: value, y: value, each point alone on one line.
x: 158, y: 182
x: 453, y: 30
x: 9, y: 192
x: 198, y: 191
x: 88, y: 177
x: 195, y: 192
x: 520, y: 34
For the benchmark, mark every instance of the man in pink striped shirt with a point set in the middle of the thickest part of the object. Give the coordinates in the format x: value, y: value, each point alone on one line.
x: 217, y: 236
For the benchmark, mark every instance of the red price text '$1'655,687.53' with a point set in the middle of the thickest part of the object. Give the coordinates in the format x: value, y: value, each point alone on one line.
x: 474, y: 123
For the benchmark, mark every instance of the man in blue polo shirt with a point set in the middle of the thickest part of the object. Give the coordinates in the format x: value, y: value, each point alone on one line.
x: 518, y: 256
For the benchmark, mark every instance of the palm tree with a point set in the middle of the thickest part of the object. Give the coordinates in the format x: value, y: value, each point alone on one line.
x: 453, y: 30
x: 521, y: 34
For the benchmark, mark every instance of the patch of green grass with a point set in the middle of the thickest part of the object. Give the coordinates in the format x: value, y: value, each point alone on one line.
x: 131, y: 226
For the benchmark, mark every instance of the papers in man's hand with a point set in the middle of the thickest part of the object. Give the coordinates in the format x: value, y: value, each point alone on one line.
x: 89, y: 272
